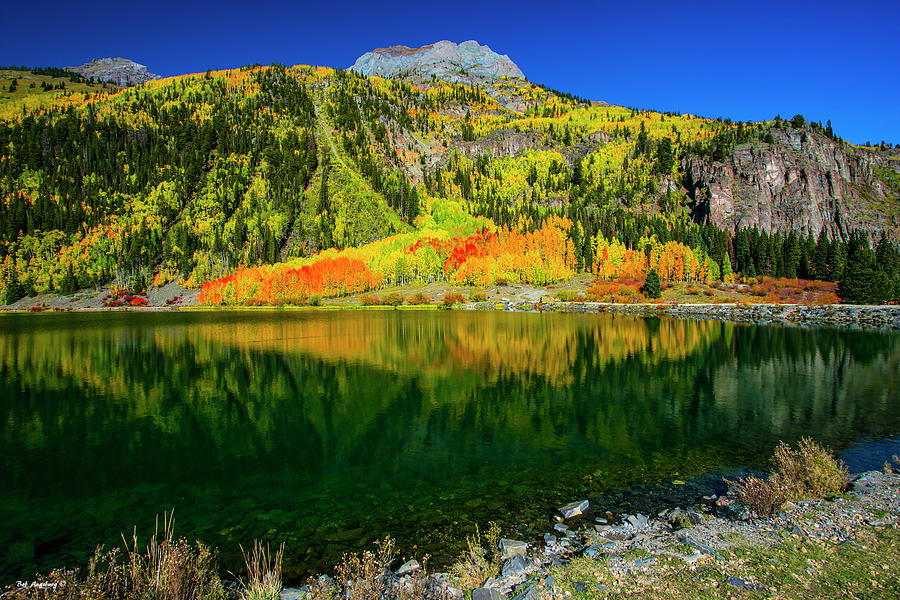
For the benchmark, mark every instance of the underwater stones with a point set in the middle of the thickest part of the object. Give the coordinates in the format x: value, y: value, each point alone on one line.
x: 573, y: 509
x: 510, y: 548
x: 292, y: 594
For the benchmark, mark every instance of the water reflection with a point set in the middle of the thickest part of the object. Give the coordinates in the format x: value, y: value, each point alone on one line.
x: 329, y: 429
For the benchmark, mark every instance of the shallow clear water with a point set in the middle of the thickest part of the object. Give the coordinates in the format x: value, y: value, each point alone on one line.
x: 328, y: 430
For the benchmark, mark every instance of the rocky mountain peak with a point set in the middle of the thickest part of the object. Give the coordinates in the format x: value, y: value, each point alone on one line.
x: 459, y: 63
x: 120, y: 71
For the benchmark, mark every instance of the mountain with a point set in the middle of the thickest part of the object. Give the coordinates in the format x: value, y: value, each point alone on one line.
x: 409, y: 178
x: 467, y: 62
x: 120, y: 71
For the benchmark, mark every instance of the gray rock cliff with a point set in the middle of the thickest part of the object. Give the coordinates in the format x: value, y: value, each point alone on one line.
x: 119, y: 71
x: 804, y: 181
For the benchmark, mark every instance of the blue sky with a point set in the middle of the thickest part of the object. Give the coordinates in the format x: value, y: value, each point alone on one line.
x: 747, y: 61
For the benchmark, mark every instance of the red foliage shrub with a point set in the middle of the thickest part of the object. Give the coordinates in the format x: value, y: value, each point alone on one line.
x: 621, y: 290
x: 452, y: 298
x: 794, y: 291
x: 418, y: 298
x: 369, y: 300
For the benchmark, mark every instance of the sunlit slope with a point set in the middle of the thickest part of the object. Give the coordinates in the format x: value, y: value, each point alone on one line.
x: 195, y: 176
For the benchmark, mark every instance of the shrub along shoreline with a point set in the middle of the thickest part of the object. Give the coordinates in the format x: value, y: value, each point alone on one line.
x: 804, y: 546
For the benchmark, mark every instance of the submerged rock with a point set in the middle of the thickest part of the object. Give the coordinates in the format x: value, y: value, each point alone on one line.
x: 510, y: 548
x: 573, y: 509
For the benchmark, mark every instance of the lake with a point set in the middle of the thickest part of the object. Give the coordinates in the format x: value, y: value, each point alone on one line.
x: 329, y: 430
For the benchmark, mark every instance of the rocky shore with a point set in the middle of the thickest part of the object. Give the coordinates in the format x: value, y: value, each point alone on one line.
x: 598, y: 554
x: 845, y: 315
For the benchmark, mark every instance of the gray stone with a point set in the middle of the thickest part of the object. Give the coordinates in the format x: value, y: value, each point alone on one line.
x: 408, y: 567
x: 580, y: 587
x: 549, y: 539
x: 292, y: 594
x: 561, y: 528
x: 486, y: 593
x: 637, y: 521
x: 593, y: 551
x: 743, y: 584
x: 573, y: 509
x: 510, y: 548
x: 514, y: 566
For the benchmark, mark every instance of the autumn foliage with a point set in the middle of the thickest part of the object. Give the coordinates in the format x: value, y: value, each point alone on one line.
x: 281, y: 284
x: 793, y: 291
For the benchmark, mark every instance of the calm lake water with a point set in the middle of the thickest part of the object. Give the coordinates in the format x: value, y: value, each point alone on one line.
x: 329, y: 430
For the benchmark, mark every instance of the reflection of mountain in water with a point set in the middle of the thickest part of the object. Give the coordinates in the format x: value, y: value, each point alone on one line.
x: 296, y: 425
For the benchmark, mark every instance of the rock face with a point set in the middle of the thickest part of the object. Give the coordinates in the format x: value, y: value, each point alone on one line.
x: 803, y: 181
x: 459, y: 63
x: 119, y: 71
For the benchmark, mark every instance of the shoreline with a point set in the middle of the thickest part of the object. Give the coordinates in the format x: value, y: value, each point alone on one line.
x: 883, y: 317
x: 712, y: 547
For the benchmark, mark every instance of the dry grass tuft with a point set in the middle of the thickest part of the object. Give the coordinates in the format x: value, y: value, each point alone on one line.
x: 263, y: 572
x: 481, y: 558
x: 810, y: 471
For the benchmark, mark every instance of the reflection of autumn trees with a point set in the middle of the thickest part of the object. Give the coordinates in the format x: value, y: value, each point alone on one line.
x: 493, y: 345
x: 238, y: 379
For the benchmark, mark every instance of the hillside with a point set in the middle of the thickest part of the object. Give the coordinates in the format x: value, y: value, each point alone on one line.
x: 195, y: 176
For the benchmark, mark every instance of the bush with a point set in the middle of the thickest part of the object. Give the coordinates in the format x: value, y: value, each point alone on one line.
x: 808, y: 472
x: 452, y: 298
x: 315, y: 300
x: 418, y: 298
x: 392, y: 299
x: 367, y: 576
x: 621, y: 290
x: 481, y: 558
x: 369, y: 300
x: 477, y: 297
x: 759, y: 495
x: 568, y: 296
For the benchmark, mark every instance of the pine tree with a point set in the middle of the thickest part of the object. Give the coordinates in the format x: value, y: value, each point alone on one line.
x: 862, y: 281
x: 652, y: 287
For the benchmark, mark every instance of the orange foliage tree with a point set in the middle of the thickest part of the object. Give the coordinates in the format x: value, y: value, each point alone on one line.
x: 282, y: 283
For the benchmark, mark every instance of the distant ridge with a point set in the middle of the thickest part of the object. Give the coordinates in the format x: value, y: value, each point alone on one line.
x: 120, y: 71
x: 458, y: 63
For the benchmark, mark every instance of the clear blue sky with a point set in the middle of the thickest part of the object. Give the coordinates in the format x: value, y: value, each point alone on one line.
x: 744, y: 60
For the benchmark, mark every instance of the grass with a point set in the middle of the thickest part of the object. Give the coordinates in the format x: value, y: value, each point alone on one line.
x: 263, y: 573
x: 790, y: 569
